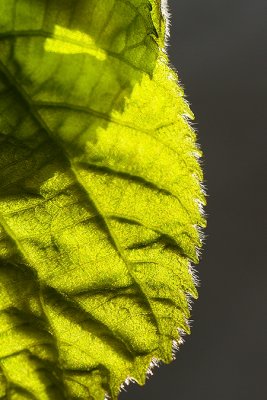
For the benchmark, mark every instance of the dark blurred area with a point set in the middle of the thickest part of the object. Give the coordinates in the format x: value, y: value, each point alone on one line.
x: 220, y: 51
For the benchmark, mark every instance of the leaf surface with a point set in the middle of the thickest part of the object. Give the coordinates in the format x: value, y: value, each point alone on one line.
x: 99, y: 198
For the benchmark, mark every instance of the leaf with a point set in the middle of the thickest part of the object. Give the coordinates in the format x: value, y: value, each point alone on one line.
x: 99, y: 198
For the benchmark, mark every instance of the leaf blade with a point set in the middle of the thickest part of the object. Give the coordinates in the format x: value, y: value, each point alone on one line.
x: 98, y: 194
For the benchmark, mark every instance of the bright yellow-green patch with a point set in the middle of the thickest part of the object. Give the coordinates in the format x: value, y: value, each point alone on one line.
x: 66, y: 41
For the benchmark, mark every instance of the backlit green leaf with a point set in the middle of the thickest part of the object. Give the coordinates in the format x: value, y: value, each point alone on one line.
x: 100, y: 198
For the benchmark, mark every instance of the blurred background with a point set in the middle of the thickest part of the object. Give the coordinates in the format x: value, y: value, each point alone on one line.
x: 219, y: 48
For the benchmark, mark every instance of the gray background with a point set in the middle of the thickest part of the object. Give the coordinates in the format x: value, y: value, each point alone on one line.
x: 219, y: 50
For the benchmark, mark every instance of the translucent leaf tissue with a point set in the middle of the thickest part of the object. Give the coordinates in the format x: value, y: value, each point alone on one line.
x: 100, y: 198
